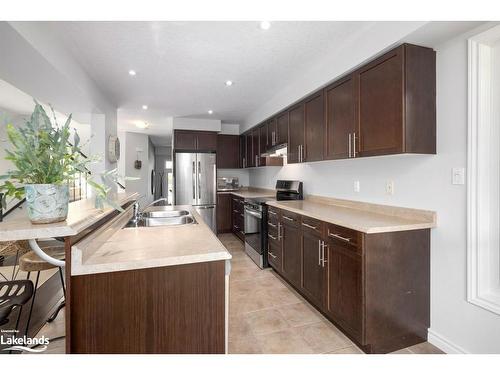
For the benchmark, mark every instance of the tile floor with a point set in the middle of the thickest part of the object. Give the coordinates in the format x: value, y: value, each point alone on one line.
x: 265, y: 316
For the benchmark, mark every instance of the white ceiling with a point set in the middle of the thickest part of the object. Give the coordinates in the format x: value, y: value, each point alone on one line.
x: 182, y: 66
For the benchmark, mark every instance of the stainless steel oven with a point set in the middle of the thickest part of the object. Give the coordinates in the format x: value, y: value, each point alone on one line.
x: 254, y: 232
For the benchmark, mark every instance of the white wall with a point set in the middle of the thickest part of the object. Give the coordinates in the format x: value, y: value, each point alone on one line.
x: 134, y: 142
x: 233, y: 129
x: 421, y: 182
x: 186, y: 123
x: 242, y: 174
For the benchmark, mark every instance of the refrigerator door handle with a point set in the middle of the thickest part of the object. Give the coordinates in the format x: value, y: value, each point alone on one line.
x: 199, y: 180
x: 194, y: 182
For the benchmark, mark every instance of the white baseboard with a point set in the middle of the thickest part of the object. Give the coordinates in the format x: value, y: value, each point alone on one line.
x: 444, y: 344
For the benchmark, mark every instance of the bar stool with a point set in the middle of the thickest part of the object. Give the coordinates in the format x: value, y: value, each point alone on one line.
x: 31, y: 262
x: 10, y: 248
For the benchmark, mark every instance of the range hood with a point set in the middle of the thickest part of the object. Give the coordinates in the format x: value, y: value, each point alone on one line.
x: 276, y: 151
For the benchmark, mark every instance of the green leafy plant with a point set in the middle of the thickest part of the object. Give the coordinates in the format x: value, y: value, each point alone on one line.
x: 44, y: 154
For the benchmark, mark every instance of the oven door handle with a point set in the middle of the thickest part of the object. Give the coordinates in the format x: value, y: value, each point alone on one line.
x: 256, y: 214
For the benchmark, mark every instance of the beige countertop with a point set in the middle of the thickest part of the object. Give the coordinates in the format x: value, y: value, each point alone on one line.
x: 115, y: 248
x: 363, y: 217
x: 251, y: 193
x: 81, y: 215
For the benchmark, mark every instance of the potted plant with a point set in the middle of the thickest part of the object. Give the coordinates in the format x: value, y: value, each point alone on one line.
x: 45, y: 161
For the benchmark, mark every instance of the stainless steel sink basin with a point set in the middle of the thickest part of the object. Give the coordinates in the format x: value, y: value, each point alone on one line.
x: 159, y: 221
x: 159, y: 212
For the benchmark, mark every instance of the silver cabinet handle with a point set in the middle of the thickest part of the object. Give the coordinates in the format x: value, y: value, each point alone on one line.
x: 286, y: 217
x: 256, y: 160
x: 236, y: 211
x: 349, y: 142
x: 309, y: 226
x: 319, y: 252
x: 272, y: 237
x: 354, y: 144
x: 345, y: 239
x: 272, y: 212
x: 270, y: 253
x: 279, y: 232
x: 323, y: 260
x: 271, y: 224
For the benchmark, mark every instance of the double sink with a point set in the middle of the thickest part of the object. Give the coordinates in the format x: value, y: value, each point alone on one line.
x: 162, y: 216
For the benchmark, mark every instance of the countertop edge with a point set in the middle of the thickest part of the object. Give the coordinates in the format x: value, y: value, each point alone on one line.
x: 82, y: 270
x: 367, y: 230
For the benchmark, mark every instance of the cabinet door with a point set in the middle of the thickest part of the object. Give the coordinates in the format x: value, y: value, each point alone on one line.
x: 243, y: 150
x: 381, y: 105
x: 263, y: 144
x: 249, y: 159
x: 344, y: 303
x: 340, y: 119
x: 228, y: 151
x: 256, y: 147
x: 313, y: 271
x: 206, y: 141
x: 272, y: 133
x: 291, y: 262
x: 184, y: 140
x: 314, y: 127
x: 295, y: 133
x: 224, y: 222
x: 282, y: 128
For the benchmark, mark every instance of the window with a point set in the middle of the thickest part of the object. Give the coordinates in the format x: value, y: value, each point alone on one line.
x: 483, y: 193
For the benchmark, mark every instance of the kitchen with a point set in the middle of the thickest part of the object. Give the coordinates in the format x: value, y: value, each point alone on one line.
x: 310, y: 224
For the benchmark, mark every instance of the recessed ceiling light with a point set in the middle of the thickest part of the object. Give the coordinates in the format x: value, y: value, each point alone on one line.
x: 144, y: 106
x: 265, y: 25
x: 210, y: 111
x: 142, y: 124
x: 132, y: 72
x: 229, y: 83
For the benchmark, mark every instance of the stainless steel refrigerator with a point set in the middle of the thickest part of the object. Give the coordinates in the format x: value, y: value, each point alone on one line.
x: 196, y: 182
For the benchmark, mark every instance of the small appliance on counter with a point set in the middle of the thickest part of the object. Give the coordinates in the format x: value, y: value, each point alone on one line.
x: 256, y: 219
x: 228, y: 184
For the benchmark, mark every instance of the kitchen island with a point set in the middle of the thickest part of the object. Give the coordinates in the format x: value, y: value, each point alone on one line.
x: 159, y: 289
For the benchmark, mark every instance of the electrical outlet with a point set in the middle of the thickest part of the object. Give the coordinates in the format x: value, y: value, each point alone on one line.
x: 458, y: 176
x: 356, y: 186
x: 389, y: 187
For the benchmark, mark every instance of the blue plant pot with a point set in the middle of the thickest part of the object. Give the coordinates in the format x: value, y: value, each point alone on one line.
x: 47, y: 203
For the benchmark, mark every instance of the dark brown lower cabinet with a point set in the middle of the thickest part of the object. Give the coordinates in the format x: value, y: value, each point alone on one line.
x: 274, y: 255
x: 374, y: 287
x: 313, y: 270
x: 345, y: 288
x: 169, y: 310
x: 237, y: 217
x: 292, y: 253
x: 224, y: 215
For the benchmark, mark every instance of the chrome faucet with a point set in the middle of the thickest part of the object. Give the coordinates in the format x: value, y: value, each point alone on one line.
x: 154, y: 202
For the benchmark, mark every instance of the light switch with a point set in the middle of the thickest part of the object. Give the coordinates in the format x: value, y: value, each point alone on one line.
x: 389, y: 187
x: 356, y: 186
x: 458, y: 176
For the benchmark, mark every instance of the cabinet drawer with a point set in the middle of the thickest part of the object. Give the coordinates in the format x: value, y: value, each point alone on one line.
x: 343, y: 235
x: 312, y: 225
x: 274, y: 255
x: 290, y: 218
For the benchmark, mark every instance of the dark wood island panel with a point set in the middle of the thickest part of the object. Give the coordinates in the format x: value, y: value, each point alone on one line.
x: 171, y: 310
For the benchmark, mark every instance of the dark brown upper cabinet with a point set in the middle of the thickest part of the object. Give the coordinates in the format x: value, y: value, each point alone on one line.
x: 272, y: 133
x: 243, y: 150
x: 195, y: 140
x: 314, y: 108
x: 256, y: 147
x: 282, y: 128
x: 296, y: 134
x: 340, y: 124
x: 397, y: 103
x: 228, y: 151
x: 249, y: 159
x: 263, y: 144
